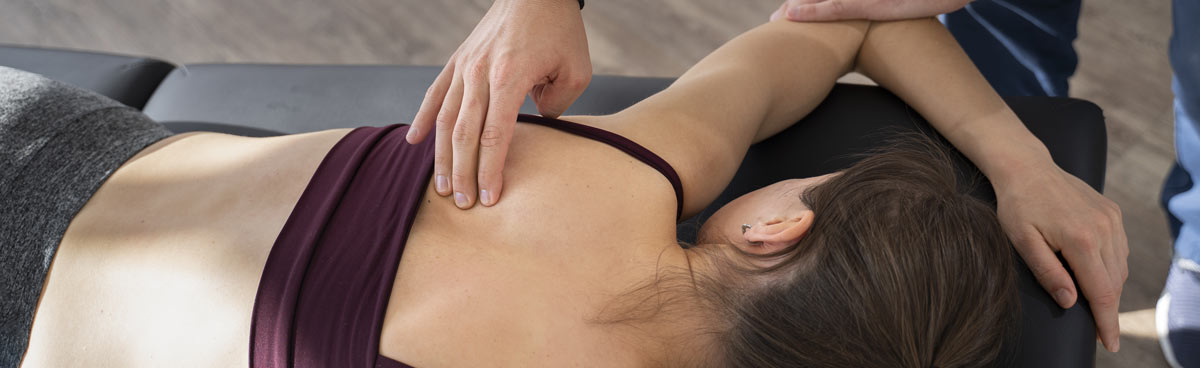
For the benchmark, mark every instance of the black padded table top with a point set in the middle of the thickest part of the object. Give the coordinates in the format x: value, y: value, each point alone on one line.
x: 304, y: 98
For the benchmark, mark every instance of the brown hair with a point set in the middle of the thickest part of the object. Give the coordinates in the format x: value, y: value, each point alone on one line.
x: 902, y: 268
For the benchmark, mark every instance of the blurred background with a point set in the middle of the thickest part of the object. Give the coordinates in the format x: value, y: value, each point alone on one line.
x: 1122, y: 50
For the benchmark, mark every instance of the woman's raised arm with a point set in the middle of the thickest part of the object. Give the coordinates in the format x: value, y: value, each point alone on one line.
x: 768, y: 78
x: 1042, y: 208
x: 747, y: 90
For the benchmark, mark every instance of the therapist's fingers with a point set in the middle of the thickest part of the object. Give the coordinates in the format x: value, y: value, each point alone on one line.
x: 825, y: 10
x: 443, y: 149
x: 1045, y: 266
x: 779, y: 12
x: 1116, y: 275
x: 1120, y: 245
x: 427, y: 114
x: 465, y: 138
x: 1116, y: 264
x: 555, y: 95
x: 497, y: 133
x: 1091, y: 270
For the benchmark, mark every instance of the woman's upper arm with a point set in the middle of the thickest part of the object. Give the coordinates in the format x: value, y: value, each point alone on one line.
x: 749, y: 89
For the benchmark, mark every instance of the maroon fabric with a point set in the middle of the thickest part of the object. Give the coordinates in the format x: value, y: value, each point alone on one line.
x: 385, y: 362
x: 327, y: 280
x: 328, y: 277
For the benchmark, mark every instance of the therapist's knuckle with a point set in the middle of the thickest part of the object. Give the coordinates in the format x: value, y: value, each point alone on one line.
x: 470, y: 106
x: 443, y: 120
x: 1105, y: 298
x: 458, y: 180
x: 487, y: 173
x: 1114, y: 212
x: 441, y: 164
x: 838, y: 7
x: 501, y: 78
x: 503, y: 67
x: 492, y: 136
x: 1083, y: 240
x: 1042, y: 271
x: 1109, y: 204
x: 577, y: 81
x: 444, y: 126
x: 431, y: 93
x: 1021, y: 238
x: 574, y: 78
x: 461, y: 135
x: 476, y: 70
x: 1103, y: 224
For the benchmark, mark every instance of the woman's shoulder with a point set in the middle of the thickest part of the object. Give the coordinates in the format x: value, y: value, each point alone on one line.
x: 585, y: 166
x: 702, y: 167
x: 555, y: 180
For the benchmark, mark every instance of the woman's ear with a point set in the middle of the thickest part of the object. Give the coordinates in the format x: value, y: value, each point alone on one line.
x: 775, y: 235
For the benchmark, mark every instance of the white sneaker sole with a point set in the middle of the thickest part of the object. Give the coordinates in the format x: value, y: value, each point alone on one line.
x: 1160, y: 324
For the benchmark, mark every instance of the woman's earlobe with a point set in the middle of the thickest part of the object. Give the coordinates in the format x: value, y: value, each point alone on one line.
x: 772, y: 236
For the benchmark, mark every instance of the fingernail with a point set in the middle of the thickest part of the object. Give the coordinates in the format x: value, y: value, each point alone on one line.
x: 486, y: 197
x: 1116, y: 346
x: 1061, y: 296
x: 460, y: 199
x: 409, y: 136
x: 443, y: 184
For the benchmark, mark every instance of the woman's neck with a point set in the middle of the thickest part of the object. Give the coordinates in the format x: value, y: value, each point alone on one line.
x: 662, y: 317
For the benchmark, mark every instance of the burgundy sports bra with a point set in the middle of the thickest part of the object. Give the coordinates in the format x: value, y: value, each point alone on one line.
x: 328, y: 278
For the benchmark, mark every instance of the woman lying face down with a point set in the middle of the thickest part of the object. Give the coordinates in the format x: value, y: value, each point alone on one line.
x: 889, y: 263
x: 207, y: 248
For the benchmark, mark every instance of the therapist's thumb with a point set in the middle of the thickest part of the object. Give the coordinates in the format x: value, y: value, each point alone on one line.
x: 553, y: 98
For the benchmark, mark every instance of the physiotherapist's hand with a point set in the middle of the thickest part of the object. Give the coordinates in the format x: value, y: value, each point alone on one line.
x: 521, y: 46
x: 830, y: 10
x: 1045, y: 210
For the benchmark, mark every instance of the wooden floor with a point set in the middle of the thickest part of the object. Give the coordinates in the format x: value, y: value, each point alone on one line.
x: 1122, y: 48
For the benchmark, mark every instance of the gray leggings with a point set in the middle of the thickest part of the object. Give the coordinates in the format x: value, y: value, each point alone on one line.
x: 58, y: 143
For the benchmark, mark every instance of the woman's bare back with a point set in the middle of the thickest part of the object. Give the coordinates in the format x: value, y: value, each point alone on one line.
x: 162, y: 265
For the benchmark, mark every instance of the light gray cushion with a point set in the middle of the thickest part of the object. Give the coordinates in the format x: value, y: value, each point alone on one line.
x: 128, y: 79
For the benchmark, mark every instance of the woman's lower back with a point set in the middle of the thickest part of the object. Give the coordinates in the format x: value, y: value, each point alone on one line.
x: 161, y: 266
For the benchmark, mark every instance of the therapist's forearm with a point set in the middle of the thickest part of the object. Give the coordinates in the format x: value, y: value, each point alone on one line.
x: 921, y: 62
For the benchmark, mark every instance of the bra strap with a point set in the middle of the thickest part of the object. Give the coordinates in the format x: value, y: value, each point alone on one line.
x: 624, y: 144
